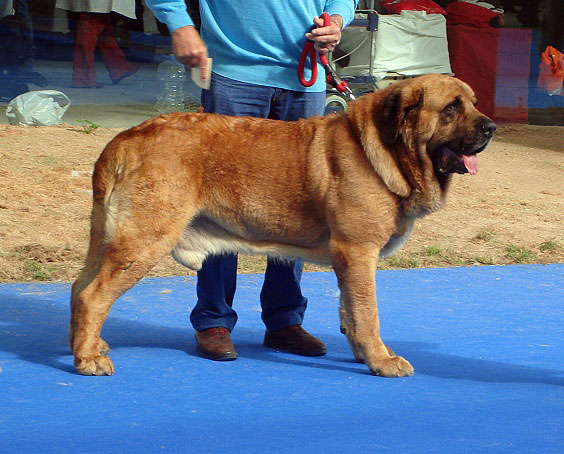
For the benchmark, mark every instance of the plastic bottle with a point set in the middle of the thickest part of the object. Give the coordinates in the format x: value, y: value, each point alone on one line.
x: 172, y: 74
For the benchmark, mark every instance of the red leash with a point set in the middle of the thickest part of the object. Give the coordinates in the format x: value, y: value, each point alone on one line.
x: 331, y: 76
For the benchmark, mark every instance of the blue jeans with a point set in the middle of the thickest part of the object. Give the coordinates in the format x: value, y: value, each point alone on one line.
x: 281, y: 298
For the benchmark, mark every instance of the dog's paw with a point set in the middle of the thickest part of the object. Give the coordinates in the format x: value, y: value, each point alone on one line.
x: 103, y: 347
x: 99, y: 365
x: 395, y: 366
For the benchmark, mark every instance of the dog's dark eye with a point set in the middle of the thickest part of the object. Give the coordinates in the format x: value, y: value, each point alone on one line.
x: 453, y: 107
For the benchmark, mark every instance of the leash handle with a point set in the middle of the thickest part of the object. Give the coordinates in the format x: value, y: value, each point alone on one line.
x: 331, y: 76
x: 309, y: 51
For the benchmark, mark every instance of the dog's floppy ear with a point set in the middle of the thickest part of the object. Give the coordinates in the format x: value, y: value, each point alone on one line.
x: 396, y: 105
x: 390, y: 118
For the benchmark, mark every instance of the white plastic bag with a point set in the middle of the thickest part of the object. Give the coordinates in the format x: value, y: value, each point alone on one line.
x: 37, y: 108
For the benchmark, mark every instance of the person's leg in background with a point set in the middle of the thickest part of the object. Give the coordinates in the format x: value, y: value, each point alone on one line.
x: 16, y: 53
x: 114, y: 58
x: 283, y: 305
x: 89, y: 28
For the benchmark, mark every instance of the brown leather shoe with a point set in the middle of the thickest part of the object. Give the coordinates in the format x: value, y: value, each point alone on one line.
x: 215, y: 344
x: 294, y: 339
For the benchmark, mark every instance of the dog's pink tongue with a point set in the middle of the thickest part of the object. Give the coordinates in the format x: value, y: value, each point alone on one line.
x: 471, y: 163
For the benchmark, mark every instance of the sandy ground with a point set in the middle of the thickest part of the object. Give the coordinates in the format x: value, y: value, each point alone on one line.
x: 511, y: 212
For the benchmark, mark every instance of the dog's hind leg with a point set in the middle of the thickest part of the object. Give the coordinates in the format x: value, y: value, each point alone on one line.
x: 94, y: 257
x: 355, y: 267
x: 111, y: 269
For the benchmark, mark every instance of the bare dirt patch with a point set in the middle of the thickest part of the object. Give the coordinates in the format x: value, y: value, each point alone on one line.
x: 511, y: 212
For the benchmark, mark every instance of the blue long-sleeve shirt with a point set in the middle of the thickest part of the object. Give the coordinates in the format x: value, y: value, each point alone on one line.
x: 256, y: 41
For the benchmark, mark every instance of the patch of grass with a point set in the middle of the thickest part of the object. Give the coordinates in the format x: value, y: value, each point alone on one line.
x: 485, y: 235
x: 36, y: 270
x: 88, y: 127
x: 518, y: 254
x: 482, y: 260
x: 548, y: 246
x: 400, y: 261
x: 436, y: 256
x: 432, y: 251
x: 452, y: 259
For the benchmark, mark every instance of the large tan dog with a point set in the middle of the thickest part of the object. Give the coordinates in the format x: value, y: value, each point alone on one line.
x: 342, y: 190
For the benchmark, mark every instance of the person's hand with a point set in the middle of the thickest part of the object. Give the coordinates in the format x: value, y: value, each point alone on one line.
x: 326, y: 38
x: 189, y: 48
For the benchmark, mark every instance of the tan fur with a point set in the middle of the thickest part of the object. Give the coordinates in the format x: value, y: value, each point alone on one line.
x: 338, y: 190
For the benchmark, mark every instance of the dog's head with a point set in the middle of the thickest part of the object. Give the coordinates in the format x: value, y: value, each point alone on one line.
x: 417, y: 132
x: 436, y: 114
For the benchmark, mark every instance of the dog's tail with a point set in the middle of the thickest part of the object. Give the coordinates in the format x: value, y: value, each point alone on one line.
x: 108, y: 171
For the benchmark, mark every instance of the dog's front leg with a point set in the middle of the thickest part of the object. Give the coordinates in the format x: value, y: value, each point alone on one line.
x: 344, y: 323
x: 355, y: 267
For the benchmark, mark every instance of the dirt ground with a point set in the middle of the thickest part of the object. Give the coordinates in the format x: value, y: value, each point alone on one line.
x: 511, y: 212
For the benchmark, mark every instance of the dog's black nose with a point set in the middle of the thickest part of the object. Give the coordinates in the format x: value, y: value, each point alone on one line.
x: 488, y: 127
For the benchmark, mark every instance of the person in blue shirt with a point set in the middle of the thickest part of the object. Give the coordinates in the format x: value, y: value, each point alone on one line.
x: 255, y: 46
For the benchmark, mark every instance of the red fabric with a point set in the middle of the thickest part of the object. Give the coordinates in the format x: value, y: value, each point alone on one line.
x: 397, y: 6
x: 464, y: 13
x: 95, y: 29
x: 473, y: 59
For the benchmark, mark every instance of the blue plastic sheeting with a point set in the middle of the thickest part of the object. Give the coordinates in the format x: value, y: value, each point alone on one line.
x: 486, y: 342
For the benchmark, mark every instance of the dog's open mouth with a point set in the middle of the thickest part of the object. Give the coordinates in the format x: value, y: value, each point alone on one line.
x: 447, y: 161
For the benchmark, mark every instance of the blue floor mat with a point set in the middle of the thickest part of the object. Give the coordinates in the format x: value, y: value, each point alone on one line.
x: 486, y: 342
